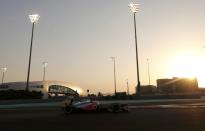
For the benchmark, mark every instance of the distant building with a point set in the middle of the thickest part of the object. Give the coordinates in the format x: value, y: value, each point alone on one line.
x: 148, y: 89
x: 177, y: 85
x: 202, y: 90
x: 121, y: 94
x: 48, y: 88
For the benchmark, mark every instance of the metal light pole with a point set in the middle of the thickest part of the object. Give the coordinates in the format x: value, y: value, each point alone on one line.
x: 34, y: 19
x: 45, y: 64
x: 4, y: 69
x: 134, y: 8
x: 113, y: 58
x: 148, y: 70
x: 127, y: 87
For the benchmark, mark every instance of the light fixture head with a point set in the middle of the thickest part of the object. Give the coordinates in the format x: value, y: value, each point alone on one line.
x: 134, y: 7
x: 4, y: 69
x: 45, y: 64
x: 112, y: 58
x: 34, y: 18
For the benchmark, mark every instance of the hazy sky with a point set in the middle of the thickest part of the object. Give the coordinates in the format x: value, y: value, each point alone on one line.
x: 78, y: 37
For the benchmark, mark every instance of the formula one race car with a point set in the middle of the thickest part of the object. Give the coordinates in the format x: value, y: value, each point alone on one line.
x: 87, y: 105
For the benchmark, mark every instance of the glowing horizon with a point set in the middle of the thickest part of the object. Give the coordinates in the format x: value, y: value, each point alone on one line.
x: 188, y: 65
x: 76, y: 38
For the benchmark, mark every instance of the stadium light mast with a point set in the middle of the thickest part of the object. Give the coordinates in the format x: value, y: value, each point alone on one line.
x: 3, y: 69
x: 148, y: 70
x: 113, y: 59
x: 45, y: 64
x: 135, y: 8
x: 127, y: 87
x: 34, y: 19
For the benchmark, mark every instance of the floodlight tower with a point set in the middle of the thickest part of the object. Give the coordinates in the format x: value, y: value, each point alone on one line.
x: 34, y: 19
x: 113, y: 59
x: 134, y: 8
x: 127, y: 87
x: 3, y: 69
x: 148, y: 70
x: 45, y: 64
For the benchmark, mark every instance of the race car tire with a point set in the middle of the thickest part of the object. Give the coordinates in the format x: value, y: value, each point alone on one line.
x: 115, y: 108
x: 68, y: 110
x: 125, y: 108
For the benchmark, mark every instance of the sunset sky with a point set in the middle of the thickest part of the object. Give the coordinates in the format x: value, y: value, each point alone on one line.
x: 78, y: 37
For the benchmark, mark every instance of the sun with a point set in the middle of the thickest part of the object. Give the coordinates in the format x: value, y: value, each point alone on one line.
x: 189, y: 65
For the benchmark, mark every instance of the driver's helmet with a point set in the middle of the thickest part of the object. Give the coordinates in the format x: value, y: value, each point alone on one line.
x: 69, y: 100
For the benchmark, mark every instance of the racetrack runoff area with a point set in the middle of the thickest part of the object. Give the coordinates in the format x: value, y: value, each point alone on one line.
x: 151, y: 115
x: 143, y: 119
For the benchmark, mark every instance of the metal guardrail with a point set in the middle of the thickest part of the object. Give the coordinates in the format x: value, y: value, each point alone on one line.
x: 137, y: 103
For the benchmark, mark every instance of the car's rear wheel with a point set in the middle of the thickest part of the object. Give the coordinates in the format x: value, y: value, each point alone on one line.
x: 68, y: 110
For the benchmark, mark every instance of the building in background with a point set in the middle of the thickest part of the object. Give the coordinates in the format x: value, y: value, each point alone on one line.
x: 177, y: 85
x: 148, y: 89
x: 48, y: 88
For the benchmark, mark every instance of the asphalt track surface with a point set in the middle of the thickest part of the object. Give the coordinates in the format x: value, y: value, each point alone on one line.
x: 138, y: 119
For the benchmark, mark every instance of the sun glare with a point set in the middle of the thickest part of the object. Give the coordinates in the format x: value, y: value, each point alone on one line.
x: 190, y: 66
